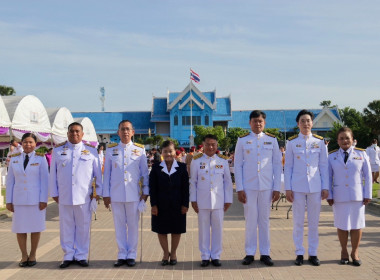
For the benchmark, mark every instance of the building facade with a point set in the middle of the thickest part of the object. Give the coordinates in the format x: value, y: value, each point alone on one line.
x: 176, y: 115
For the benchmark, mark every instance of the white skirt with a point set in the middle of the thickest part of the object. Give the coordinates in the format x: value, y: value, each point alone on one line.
x: 28, y: 218
x: 374, y: 167
x: 349, y: 215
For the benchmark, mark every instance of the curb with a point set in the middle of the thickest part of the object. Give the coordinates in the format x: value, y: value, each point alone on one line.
x: 374, y: 206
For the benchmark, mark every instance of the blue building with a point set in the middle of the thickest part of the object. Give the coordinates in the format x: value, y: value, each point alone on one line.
x: 176, y: 114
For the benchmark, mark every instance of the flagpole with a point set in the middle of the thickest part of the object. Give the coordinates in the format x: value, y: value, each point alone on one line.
x: 191, y: 112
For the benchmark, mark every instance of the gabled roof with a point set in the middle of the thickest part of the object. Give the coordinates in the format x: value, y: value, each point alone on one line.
x: 191, y: 98
x: 330, y: 112
x: 159, y: 110
x: 175, y: 98
x: 223, y: 109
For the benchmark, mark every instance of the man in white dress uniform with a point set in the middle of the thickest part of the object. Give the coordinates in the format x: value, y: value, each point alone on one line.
x: 373, y: 153
x: 306, y: 182
x: 74, y: 166
x: 211, y: 195
x: 124, y: 167
x: 258, y: 170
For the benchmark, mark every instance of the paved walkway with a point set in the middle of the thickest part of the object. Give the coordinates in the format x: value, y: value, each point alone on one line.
x: 103, y: 252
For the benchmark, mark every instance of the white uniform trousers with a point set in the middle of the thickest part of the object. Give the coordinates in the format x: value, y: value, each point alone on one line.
x: 126, y: 221
x: 312, y: 201
x: 256, y: 213
x: 75, y: 222
x: 210, y: 218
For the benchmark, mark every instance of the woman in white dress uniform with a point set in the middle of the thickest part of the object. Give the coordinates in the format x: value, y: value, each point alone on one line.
x: 348, y: 194
x: 27, y: 195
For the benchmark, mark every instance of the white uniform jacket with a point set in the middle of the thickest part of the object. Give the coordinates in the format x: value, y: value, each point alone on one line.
x: 306, y: 164
x: 373, y: 153
x: 29, y: 186
x: 257, y: 163
x: 346, y: 180
x: 72, y: 169
x: 210, y: 182
x: 124, y: 166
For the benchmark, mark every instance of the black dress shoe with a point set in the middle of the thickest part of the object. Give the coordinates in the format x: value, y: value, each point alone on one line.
x: 164, y: 262
x: 131, y: 262
x: 344, y: 261
x: 65, y: 264
x: 266, y: 260
x: 216, y: 262
x: 173, y: 262
x: 356, y: 262
x: 205, y: 263
x: 299, y: 260
x: 32, y: 263
x: 83, y: 263
x: 119, y: 262
x: 314, y: 260
x: 248, y: 260
x: 23, y: 264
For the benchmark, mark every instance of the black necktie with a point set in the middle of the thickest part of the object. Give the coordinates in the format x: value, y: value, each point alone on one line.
x: 345, y: 157
x: 26, y: 160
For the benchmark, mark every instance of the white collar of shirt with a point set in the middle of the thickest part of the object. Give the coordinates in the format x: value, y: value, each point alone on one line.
x: 75, y: 146
x: 306, y: 137
x: 30, y: 154
x: 258, y: 136
x: 213, y: 157
x: 341, y: 151
x: 165, y: 168
x: 126, y: 146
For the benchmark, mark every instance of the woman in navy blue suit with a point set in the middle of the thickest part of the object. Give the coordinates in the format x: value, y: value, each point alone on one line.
x: 27, y: 195
x: 348, y: 194
x: 169, y: 198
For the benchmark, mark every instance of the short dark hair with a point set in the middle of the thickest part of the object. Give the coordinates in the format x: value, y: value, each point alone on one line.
x: 345, y: 129
x: 256, y: 114
x: 209, y: 136
x: 374, y: 141
x: 125, y: 121
x: 167, y: 143
x: 304, y: 112
x: 28, y: 134
x: 11, y: 142
x: 74, y: 124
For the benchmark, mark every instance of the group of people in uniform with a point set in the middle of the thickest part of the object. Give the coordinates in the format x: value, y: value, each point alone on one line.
x: 75, y: 178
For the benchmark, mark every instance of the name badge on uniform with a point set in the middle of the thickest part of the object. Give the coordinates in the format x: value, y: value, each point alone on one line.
x: 249, y: 142
x: 358, y: 158
x: 298, y: 146
x: 267, y: 143
x: 35, y: 164
x: 16, y: 161
x: 63, y: 153
x: 115, y: 152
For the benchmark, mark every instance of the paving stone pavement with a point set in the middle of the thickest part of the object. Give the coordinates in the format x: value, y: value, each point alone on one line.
x: 104, y: 251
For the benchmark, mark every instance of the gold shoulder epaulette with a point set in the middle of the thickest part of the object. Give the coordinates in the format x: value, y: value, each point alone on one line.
x: 198, y: 156
x: 292, y: 137
x: 61, y: 144
x: 360, y: 149
x: 139, y: 145
x: 112, y: 145
x: 40, y: 154
x: 271, y: 135
x: 222, y: 156
x: 15, y: 155
x: 89, y: 145
x: 244, y: 135
x: 317, y: 136
x: 333, y: 151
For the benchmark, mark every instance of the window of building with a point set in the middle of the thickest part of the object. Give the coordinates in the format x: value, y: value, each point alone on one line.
x: 207, y: 121
x: 186, y: 120
x: 175, y: 120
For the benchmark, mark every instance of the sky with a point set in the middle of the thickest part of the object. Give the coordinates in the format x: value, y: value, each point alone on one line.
x: 265, y: 54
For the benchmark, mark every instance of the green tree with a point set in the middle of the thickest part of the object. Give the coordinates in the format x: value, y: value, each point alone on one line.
x: 276, y: 132
x: 6, y: 91
x: 148, y: 141
x: 201, y: 131
x: 325, y: 103
x: 234, y: 133
x: 176, y: 143
x: 372, y: 116
x: 157, y: 140
x: 225, y: 144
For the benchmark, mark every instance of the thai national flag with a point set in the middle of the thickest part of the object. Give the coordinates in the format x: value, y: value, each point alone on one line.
x: 194, y: 76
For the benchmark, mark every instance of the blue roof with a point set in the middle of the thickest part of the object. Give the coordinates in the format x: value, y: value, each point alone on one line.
x: 223, y: 110
x: 275, y: 118
x: 160, y: 113
x: 210, y: 96
x: 173, y: 96
x: 107, y: 122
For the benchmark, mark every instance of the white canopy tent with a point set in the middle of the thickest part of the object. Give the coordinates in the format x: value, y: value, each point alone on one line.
x: 5, y: 123
x: 60, y: 118
x: 89, y: 131
x: 27, y: 114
